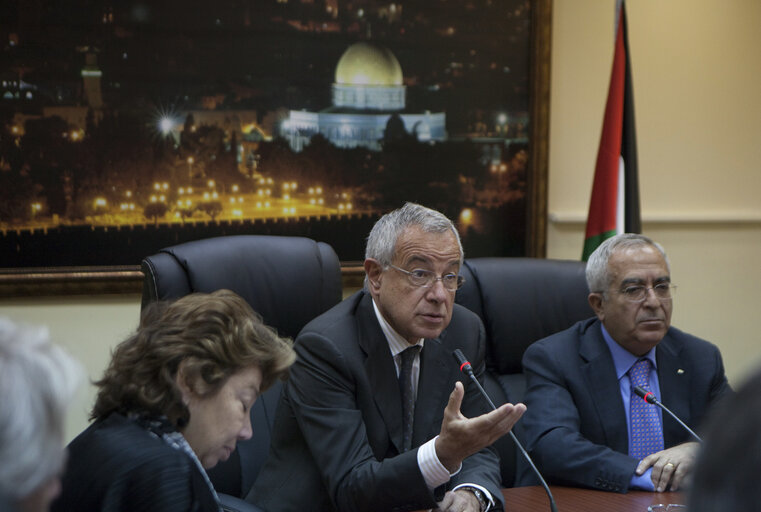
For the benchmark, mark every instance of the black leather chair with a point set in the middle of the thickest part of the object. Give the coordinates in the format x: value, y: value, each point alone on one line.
x: 519, y: 300
x: 287, y: 280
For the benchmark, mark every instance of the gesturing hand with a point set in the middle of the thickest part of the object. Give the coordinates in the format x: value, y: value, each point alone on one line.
x: 461, y: 436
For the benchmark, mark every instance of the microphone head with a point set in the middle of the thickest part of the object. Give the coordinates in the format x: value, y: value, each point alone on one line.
x: 647, y: 396
x: 462, y: 361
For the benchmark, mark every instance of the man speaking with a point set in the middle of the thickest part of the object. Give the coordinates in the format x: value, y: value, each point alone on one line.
x: 375, y: 416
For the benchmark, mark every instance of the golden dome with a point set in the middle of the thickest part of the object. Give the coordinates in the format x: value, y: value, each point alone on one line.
x: 368, y: 64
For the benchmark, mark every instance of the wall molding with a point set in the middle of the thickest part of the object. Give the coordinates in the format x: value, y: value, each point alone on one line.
x: 736, y: 218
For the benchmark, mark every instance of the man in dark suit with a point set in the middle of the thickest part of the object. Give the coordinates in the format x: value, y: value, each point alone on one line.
x: 584, y: 424
x: 340, y: 439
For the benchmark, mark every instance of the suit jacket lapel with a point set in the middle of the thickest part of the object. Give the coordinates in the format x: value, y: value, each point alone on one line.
x: 674, y: 381
x: 431, y: 385
x: 601, y: 380
x: 380, y: 370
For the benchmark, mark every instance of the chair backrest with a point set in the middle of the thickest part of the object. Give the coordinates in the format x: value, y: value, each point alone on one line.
x: 287, y: 280
x: 520, y: 301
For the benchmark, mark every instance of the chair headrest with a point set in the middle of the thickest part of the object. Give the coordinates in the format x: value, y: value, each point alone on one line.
x: 521, y: 300
x: 287, y: 280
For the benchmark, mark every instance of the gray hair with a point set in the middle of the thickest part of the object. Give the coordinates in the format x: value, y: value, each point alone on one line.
x: 37, y: 383
x: 598, y: 278
x: 381, y: 243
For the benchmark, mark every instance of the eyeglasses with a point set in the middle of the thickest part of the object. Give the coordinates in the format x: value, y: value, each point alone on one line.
x: 426, y: 278
x: 671, y: 507
x: 638, y: 293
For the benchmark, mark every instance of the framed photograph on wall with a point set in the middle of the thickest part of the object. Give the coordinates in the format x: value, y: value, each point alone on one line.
x: 127, y: 127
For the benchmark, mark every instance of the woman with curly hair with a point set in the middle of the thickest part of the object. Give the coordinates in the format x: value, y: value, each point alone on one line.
x: 172, y: 403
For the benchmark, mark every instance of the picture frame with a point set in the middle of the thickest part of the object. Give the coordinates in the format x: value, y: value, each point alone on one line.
x: 123, y: 279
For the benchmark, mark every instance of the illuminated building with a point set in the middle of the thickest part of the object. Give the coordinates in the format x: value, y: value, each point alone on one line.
x: 368, y: 96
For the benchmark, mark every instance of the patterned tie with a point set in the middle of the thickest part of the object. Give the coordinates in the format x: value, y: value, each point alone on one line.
x: 408, y: 397
x: 646, y: 431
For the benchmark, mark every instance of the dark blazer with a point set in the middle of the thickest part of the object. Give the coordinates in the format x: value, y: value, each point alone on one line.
x: 117, y: 465
x: 575, y: 423
x: 338, y: 428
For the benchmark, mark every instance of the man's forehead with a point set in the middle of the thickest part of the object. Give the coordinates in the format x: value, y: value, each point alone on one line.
x: 418, y: 245
x: 637, y: 263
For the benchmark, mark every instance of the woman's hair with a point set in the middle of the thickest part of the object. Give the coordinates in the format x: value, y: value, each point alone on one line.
x: 214, y: 335
x: 37, y: 383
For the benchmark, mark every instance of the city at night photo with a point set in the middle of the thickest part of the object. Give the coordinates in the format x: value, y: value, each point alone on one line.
x: 130, y: 126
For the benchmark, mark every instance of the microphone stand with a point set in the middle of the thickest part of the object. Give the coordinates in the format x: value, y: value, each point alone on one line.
x: 468, y: 370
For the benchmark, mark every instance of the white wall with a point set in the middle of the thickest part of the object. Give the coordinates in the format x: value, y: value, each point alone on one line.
x: 88, y: 327
x: 696, y: 67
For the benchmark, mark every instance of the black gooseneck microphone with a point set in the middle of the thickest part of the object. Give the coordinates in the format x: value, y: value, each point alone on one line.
x: 649, y: 397
x: 467, y: 369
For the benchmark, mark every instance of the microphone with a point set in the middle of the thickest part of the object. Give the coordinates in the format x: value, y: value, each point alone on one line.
x: 649, y: 397
x: 467, y: 369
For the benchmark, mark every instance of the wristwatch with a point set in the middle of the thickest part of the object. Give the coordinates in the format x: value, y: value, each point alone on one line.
x: 479, y: 496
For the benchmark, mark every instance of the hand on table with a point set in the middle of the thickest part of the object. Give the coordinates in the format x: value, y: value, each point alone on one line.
x: 672, y: 466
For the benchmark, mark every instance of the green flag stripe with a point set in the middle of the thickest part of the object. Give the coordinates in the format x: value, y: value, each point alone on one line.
x: 591, y: 243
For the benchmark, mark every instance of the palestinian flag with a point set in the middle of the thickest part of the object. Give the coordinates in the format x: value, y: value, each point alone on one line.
x: 614, y: 207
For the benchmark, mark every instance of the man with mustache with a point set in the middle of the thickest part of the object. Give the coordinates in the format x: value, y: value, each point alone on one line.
x: 345, y: 437
x: 584, y: 425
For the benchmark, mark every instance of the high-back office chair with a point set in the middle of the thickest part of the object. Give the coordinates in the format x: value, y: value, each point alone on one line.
x: 287, y: 280
x: 519, y: 300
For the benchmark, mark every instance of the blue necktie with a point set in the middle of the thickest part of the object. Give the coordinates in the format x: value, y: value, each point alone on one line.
x: 646, y: 431
x: 408, y: 397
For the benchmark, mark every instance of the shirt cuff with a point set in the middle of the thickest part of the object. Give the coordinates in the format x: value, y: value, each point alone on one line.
x: 434, y: 472
x: 643, y: 482
x: 486, y: 493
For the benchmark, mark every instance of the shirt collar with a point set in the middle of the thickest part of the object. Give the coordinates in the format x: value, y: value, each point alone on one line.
x: 396, y: 343
x: 622, y: 358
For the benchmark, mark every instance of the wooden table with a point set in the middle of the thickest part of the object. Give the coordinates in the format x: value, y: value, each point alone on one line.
x: 569, y: 499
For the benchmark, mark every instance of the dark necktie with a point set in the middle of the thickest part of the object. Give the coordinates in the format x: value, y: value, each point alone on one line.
x: 408, y: 397
x: 647, y: 434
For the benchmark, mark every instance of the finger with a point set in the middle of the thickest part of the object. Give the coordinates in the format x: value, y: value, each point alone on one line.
x: 679, y: 476
x: 667, y: 471
x: 455, y: 399
x: 445, y: 503
x: 648, y: 461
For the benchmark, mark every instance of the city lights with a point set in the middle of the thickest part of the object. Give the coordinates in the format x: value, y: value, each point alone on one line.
x: 185, y: 150
x: 166, y: 125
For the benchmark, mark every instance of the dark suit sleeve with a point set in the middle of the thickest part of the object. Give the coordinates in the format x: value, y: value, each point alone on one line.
x: 553, y: 429
x: 322, y: 390
x: 720, y: 387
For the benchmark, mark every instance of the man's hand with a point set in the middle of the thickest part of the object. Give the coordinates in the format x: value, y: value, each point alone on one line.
x: 460, y: 500
x: 461, y: 437
x: 670, y: 466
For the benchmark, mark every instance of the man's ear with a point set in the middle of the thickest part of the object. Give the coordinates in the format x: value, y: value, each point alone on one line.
x: 373, y: 271
x: 595, y: 302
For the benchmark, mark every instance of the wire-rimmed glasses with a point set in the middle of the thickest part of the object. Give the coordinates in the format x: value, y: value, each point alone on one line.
x: 670, y: 507
x: 426, y: 278
x: 638, y: 292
